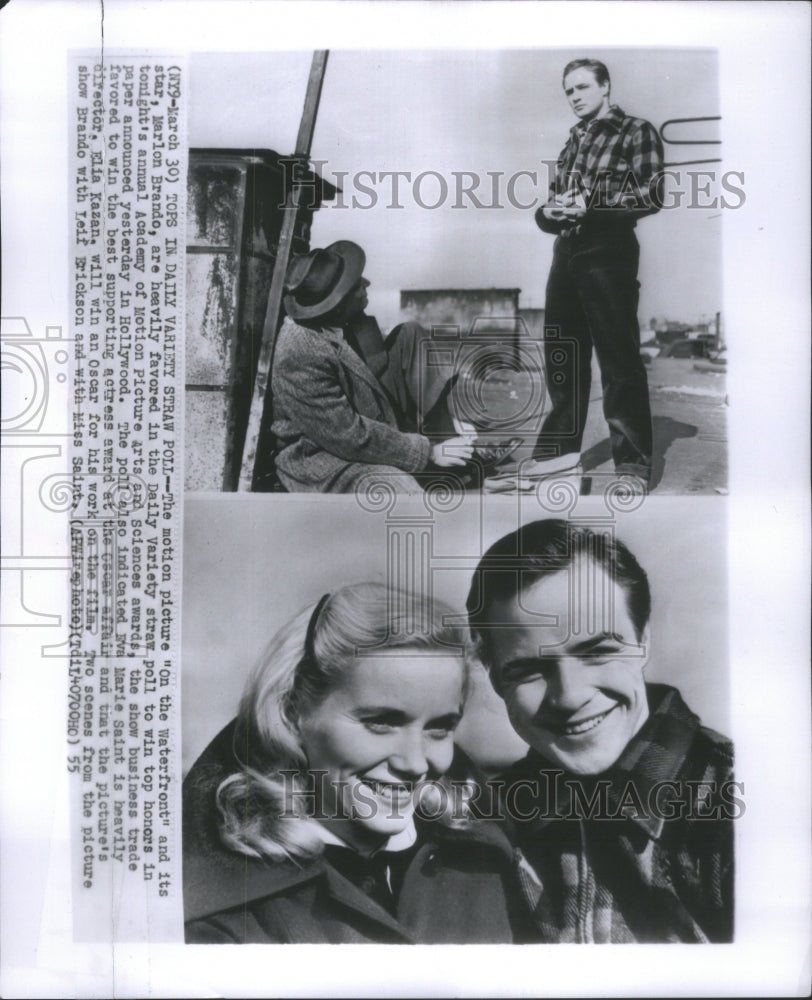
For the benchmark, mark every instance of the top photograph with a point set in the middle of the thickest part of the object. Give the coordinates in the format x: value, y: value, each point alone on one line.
x: 468, y: 270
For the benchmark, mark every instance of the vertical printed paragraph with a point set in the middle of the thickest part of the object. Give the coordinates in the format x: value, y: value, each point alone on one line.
x: 128, y: 182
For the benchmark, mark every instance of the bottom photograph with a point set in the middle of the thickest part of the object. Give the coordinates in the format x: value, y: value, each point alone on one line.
x: 496, y: 723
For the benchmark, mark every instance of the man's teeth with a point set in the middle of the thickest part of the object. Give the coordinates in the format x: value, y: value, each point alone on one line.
x: 388, y: 789
x: 583, y: 727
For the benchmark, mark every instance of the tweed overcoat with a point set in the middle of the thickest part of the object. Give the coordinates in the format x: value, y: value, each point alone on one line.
x: 333, y: 419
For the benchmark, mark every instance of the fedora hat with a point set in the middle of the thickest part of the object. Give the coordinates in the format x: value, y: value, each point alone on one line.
x: 317, y: 281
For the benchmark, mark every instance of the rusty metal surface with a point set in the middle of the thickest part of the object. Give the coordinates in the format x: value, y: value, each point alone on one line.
x: 214, y: 204
x: 264, y: 197
x: 211, y: 308
x: 207, y: 426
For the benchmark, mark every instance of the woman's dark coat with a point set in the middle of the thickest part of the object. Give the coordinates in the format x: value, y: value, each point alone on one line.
x: 460, y: 886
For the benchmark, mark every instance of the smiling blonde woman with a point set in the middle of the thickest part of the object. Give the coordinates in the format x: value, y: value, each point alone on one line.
x: 329, y: 809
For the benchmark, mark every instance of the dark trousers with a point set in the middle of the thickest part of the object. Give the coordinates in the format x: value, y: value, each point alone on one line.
x: 592, y: 298
x: 418, y: 384
x: 419, y: 380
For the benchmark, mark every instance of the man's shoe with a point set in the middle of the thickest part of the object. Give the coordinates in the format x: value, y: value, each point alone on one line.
x: 633, y: 469
x: 487, y: 456
x: 533, y: 468
x: 491, y: 454
x: 540, y: 468
x: 638, y: 474
x: 502, y: 484
x: 531, y: 473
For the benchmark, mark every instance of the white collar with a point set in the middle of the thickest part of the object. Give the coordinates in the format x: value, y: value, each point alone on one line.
x: 400, y: 841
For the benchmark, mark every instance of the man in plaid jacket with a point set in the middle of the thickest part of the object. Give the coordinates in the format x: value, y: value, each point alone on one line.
x: 607, y: 178
x: 624, y: 806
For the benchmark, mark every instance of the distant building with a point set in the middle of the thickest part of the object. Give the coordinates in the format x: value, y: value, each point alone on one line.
x: 534, y: 321
x: 670, y: 332
x: 466, y: 309
x: 476, y: 314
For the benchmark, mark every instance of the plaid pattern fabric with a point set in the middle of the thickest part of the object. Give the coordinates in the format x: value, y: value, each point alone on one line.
x: 612, y: 162
x: 635, y: 867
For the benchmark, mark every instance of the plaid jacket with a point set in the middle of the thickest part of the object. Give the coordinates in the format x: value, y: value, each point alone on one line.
x: 643, y: 852
x: 616, y: 164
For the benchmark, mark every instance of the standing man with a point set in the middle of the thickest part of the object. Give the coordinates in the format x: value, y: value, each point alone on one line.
x: 624, y: 804
x: 604, y: 182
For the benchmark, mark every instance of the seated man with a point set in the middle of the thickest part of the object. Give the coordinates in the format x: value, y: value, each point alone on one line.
x: 346, y: 405
x: 624, y: 804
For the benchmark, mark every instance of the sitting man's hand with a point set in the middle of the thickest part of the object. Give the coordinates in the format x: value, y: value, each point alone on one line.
x: 464, y: 428
x: 454, y: 451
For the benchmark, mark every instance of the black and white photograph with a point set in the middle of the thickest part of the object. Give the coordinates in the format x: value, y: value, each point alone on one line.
x: 500, y: 735
x: 466, y: 299
x: 405, y: 498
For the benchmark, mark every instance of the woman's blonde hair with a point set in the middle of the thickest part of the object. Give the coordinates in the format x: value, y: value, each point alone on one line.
x: 301, y: 665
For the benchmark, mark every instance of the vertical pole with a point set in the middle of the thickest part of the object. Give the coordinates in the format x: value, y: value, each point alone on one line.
x: 262, y: 380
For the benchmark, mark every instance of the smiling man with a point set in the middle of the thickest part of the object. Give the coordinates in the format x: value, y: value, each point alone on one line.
x: 623, y: 806
x: 606, y: 179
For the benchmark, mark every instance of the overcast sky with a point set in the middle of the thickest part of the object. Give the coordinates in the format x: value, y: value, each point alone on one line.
x: 479, y: 111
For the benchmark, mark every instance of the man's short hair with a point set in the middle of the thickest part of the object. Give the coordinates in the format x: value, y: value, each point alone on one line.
x: 595, y: 67
x: 540, y: 549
